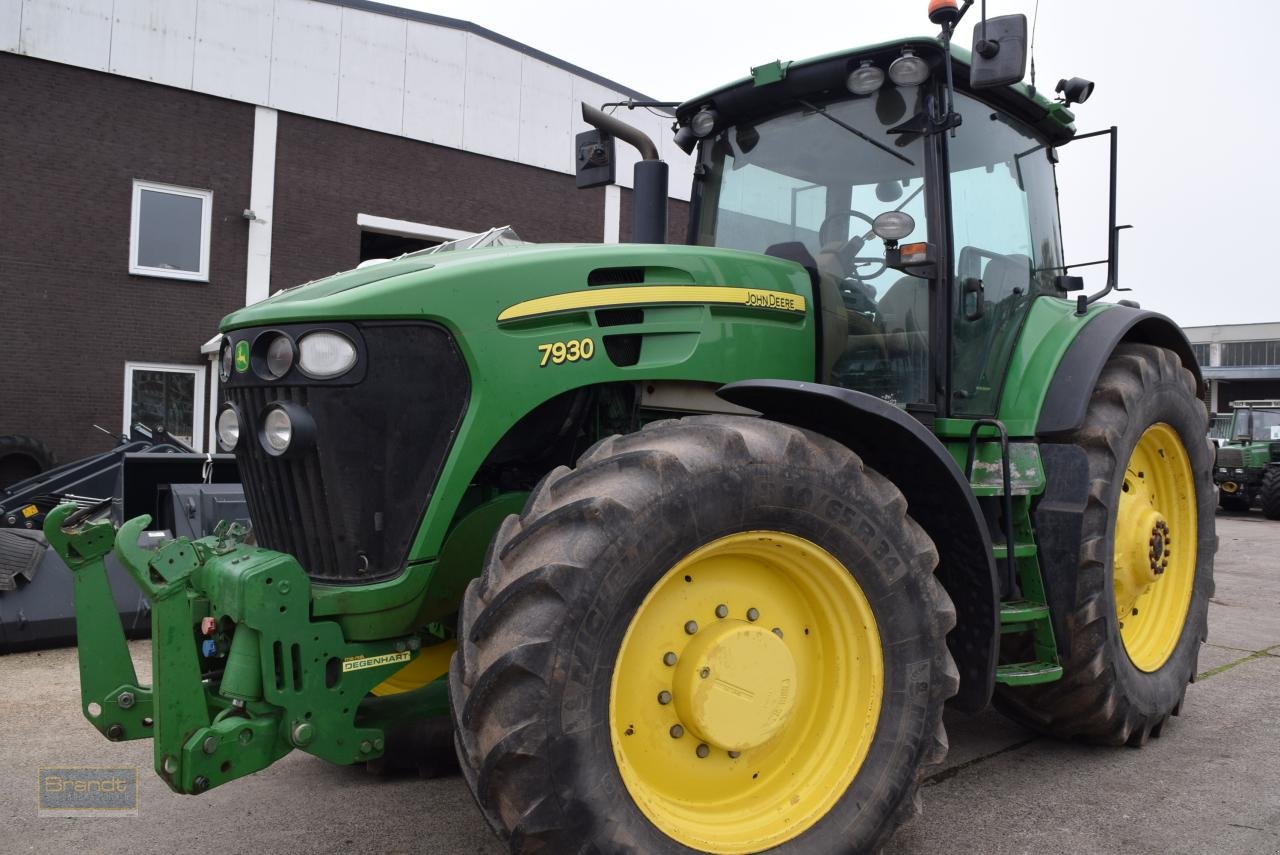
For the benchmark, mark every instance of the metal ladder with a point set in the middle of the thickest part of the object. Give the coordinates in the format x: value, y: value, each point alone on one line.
x: 1027, y: 610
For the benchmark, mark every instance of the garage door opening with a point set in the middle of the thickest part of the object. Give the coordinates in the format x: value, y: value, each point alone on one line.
x: 380, y: 245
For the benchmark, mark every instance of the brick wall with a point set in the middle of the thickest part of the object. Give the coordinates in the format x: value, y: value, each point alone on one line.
x: 328, y: 173
x: 71, y: 143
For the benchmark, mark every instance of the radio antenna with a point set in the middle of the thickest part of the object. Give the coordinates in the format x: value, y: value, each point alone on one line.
x: 1035, y: 18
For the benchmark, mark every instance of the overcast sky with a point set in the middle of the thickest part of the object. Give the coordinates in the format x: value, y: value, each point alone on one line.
x: 1187, y: 82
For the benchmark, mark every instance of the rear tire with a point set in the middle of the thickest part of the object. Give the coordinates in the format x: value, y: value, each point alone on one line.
x: 534, y: 688
x: 1103, y: 695
x: 1269, y: 495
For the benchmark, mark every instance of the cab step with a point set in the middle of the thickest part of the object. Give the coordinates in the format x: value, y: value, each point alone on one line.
x: 1020, y: 550
x: 1023, y: 611
x: 1027, y: 673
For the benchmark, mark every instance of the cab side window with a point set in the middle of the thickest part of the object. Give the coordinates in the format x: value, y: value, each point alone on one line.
x: 1007, y: 247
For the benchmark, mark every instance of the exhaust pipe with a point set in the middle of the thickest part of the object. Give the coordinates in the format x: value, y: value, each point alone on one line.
x: 649, y: 193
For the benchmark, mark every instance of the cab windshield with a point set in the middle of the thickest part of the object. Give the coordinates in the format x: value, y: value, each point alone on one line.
x: 815, y: 177
x: 1262, y: 425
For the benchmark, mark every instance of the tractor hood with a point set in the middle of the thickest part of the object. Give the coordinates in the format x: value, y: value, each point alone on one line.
x: 471, y: 289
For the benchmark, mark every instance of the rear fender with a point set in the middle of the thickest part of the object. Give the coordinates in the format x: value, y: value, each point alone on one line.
x: 938, y: 496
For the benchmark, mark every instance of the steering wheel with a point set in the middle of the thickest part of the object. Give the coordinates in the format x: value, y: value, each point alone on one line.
x: 856, y: 259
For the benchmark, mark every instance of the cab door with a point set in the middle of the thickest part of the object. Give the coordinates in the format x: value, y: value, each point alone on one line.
x: 1006, y: 247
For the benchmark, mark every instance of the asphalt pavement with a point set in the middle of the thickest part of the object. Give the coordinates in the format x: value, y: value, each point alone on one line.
x: 1210, y: 784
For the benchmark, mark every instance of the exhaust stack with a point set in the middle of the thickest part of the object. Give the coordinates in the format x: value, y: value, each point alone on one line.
x: 649, y: 194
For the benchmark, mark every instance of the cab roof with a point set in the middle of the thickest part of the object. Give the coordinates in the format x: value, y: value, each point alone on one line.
x: 785, y: 81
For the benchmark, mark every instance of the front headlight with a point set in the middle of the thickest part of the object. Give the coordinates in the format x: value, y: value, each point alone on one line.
x: 227, y: 360
x: 322, y: 355
x: 228, y: 428
x: 286, y: 430
x: 277, y: 430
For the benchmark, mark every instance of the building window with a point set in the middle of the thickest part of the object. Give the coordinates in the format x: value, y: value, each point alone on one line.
x: 170, y: 232
x: 1201, y: 351
x: 1251, y: 353
x: 165, y: 396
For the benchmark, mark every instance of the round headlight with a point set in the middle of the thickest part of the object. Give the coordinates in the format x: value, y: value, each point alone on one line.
x: 228, y: 428
x: 279, y: 357
x: 277, y: 430
x: 703, y: 122
x: 226, y: 361
x: 893, y: 225
x: 865, y: 79
x: 908, y: 70
x: 322, y: 355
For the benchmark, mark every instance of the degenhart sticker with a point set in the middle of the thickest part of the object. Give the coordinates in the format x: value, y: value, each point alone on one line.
x: 359, y: 663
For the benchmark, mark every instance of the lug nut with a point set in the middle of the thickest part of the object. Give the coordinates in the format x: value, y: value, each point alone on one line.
x: 664, y: 697
x: 691, y: 627
x: 777, y: 632
x: 669, y: 658
x: 734, y: 755
x: 753, y: 614
x: 676, y: 731
x: 125, y: 700
x: 703, y: 750
x: 722, y: 611
x: 704, y: 673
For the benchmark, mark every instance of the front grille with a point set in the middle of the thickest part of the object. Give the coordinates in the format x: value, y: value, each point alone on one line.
x: 349, y: 507
x: 1230, y: 457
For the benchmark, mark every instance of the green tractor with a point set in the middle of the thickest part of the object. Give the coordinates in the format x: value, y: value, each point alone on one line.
x: 1247, y: 468
x: 687, y: 546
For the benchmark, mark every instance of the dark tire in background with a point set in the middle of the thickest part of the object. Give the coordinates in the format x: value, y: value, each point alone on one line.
x: 1144, y: 430
x: 22, y: 457
x: 1269, y: 495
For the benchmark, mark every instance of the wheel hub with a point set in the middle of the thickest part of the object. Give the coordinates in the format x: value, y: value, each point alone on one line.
x: 1153, y: 570
x: 734, y: 686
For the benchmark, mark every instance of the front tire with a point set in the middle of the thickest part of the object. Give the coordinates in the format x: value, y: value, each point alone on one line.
x: 1146, y: 558
x: 676, y: 629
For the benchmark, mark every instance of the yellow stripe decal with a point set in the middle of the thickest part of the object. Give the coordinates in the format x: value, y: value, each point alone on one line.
x: 600, y: 298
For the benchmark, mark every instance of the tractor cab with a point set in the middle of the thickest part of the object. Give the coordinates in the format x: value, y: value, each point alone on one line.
x: 1247, y: 465
x: 926, y: 214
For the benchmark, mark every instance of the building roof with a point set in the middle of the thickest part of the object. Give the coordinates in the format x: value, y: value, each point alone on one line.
x: 485, y: 33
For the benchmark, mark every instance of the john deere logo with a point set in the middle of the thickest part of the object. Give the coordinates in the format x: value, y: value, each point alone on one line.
x: 242, y: 356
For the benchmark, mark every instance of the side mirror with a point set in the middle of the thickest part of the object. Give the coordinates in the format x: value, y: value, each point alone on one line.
x: 999, y: 51
x: 593, y: 159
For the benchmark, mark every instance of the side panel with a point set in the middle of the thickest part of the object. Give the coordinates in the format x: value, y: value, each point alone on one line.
x: 938, y: 497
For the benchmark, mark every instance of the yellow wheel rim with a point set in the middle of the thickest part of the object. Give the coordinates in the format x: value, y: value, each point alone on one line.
x: 746, y: 692
x: 1155, y: 547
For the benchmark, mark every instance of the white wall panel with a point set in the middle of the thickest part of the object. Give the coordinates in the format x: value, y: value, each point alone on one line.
x: 427, y: 82
x: 10, y: 24
x: 304, y: 61
x: 77, y: 32
x: 233, y: 49
x: 154, y: 40
x: 434, y: 81
x: 546, y: 98
x: 491, y: 112
x: 371, y: 78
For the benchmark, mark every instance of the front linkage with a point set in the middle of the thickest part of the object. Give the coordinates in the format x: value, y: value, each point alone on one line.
x: 241, y: 674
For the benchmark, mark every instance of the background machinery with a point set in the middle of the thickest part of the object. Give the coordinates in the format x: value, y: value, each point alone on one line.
x: 1247, y: 464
